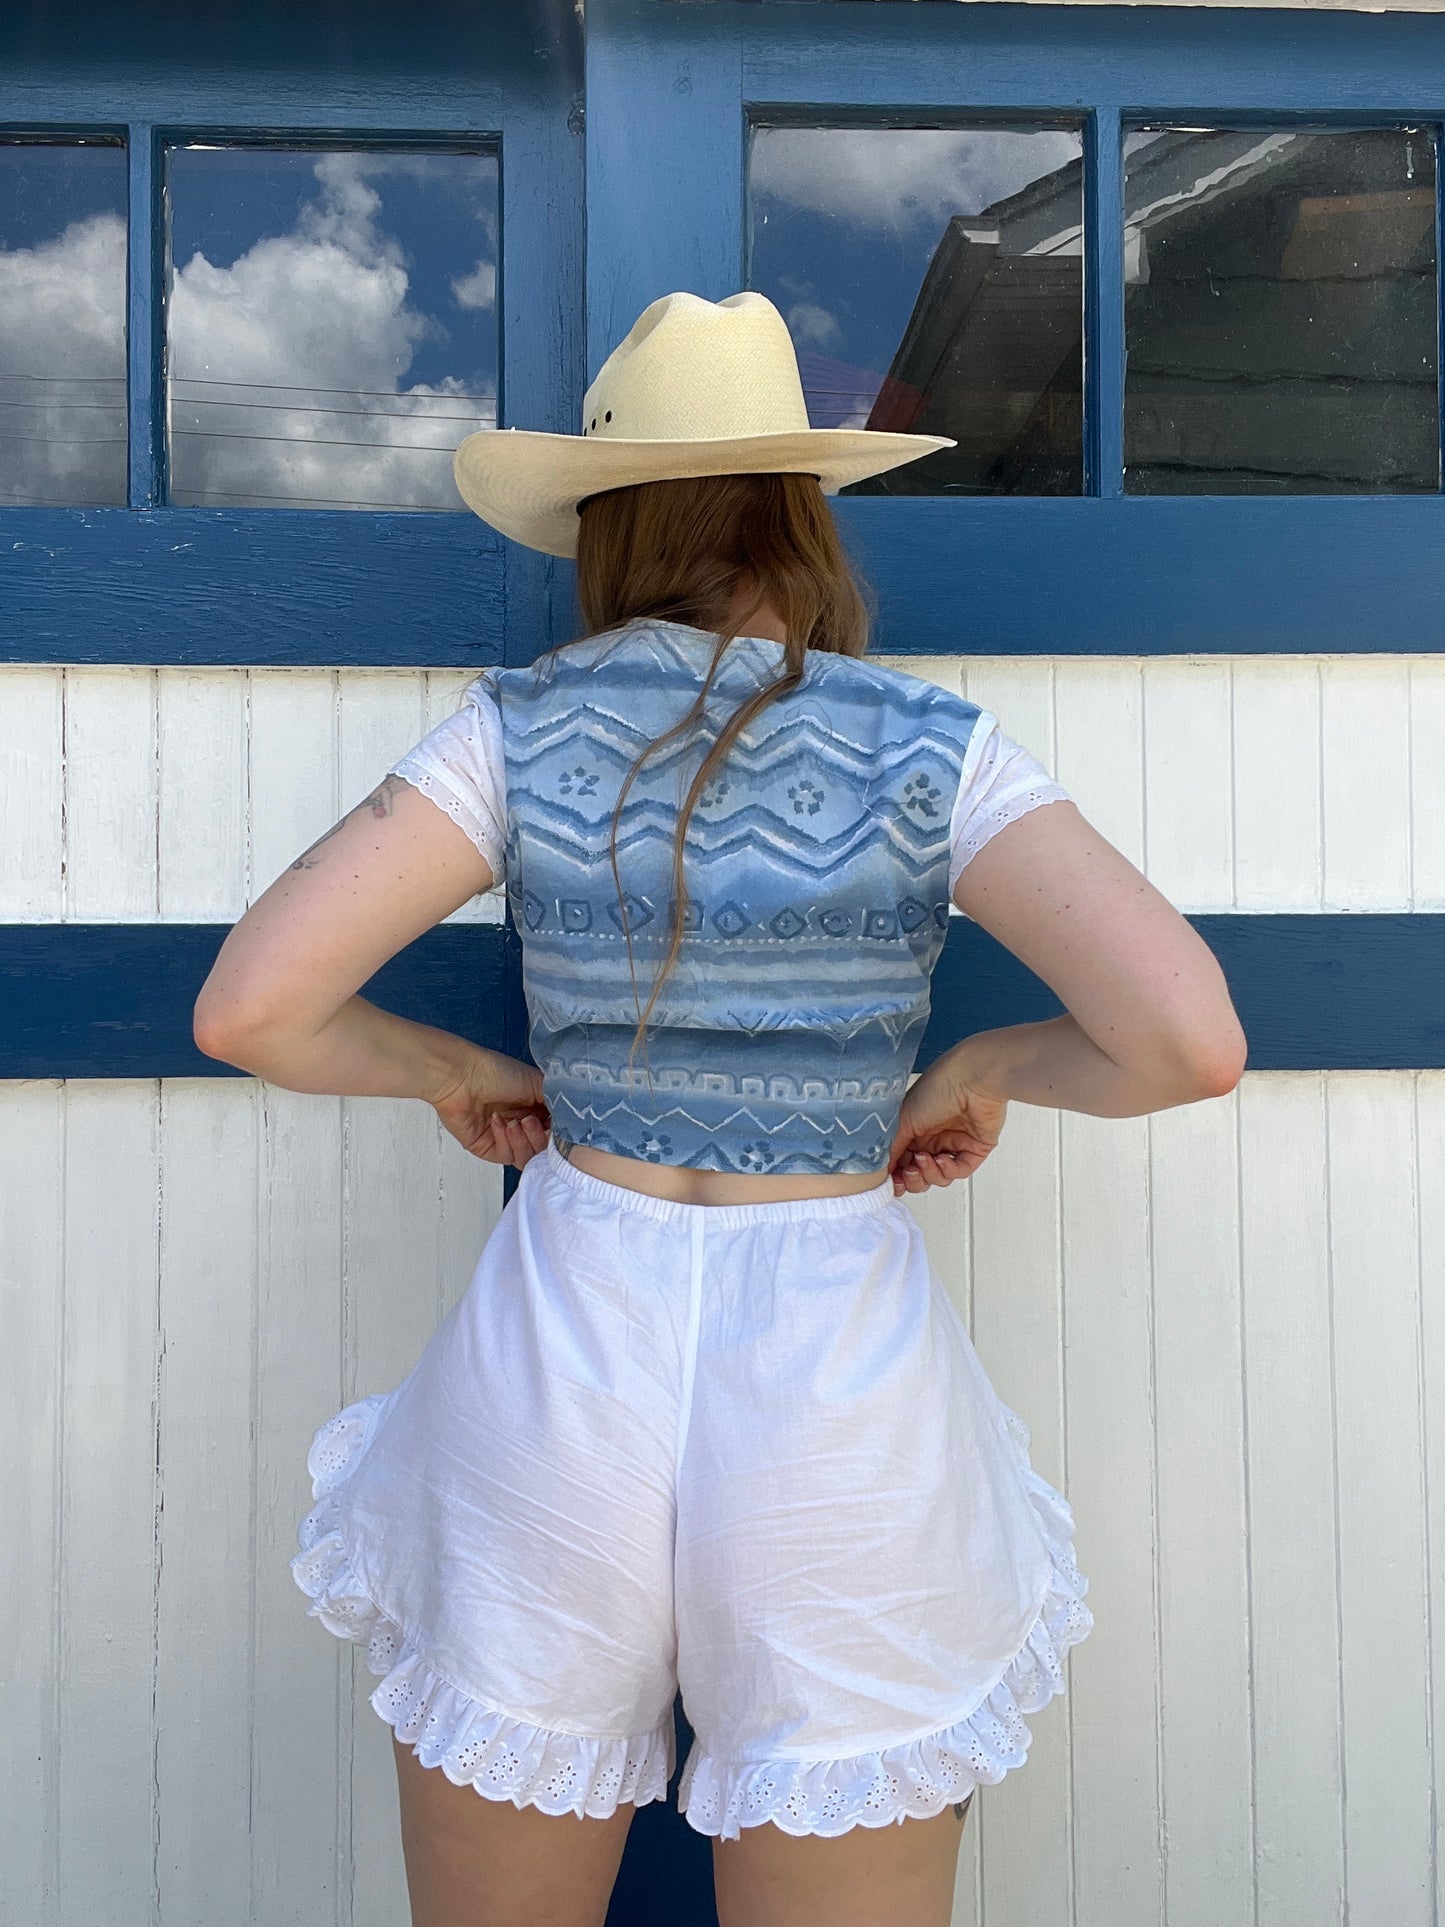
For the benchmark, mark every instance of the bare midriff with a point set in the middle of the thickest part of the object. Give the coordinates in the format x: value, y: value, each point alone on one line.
x: 686, y: 1185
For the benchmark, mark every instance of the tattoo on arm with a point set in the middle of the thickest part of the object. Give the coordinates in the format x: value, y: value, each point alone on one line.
x: 379, y: 804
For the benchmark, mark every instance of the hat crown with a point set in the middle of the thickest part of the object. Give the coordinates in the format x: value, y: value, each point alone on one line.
x: 696, y: 370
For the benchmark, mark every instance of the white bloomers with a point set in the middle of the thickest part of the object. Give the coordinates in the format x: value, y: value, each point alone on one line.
x: 745, y: 1451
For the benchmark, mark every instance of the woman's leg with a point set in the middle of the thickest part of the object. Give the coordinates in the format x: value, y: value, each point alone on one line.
x: 477, y: 1862
x: 866, y: 1877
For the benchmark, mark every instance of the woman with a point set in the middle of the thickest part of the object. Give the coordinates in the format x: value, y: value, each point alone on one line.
x: 705, y: 1418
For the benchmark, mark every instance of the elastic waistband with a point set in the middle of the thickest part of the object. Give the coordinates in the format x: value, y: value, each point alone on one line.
x: 842, y: 1204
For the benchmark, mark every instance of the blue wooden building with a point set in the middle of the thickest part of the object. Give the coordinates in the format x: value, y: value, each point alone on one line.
x: 1170, y: 275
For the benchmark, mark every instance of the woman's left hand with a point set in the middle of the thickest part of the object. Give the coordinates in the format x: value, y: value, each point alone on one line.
x: 947, y: 1126
x: 495, y: 1108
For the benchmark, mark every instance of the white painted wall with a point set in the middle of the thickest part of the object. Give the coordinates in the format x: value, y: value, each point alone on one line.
x: 196, y: 1274
x: 1225, y: 1326
x: 1259, y: 783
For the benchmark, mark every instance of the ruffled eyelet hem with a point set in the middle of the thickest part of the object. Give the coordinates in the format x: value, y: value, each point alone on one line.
x: 474, y: 1745
x: 920, y: 1778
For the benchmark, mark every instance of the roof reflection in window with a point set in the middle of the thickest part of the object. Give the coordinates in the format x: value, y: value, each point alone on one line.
x: 933, y: 281
x: 1280, y: 312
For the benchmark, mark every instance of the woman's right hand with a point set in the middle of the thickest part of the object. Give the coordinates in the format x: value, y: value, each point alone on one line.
x: 947, y: 1126
x: 494, y: 1109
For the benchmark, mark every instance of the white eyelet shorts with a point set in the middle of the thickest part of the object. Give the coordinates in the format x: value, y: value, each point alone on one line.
x: 745, y: 1450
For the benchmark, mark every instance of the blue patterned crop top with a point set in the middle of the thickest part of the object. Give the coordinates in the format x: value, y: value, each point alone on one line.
x: 820, y: 861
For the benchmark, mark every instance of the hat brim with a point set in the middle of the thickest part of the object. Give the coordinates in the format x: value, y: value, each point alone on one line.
x: 528, y: 483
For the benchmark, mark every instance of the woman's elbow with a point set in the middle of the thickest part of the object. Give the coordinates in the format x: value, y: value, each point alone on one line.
x: 223, y: 1028
x: 212, y: 1032
x: 1209, y: 1061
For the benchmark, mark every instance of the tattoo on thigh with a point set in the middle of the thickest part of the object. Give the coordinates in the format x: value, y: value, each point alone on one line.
x: 379, y: 804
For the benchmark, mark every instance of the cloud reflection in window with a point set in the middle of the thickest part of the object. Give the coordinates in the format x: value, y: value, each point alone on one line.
x: 331, y: 324
x: 62, y: 324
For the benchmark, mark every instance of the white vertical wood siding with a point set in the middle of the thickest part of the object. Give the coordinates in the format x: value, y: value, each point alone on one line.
x: 196, y: 1273
x: 1262, y: 783
x: 1225, y: 1326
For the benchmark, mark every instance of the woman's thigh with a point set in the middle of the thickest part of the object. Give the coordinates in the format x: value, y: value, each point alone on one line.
x: 477, y: 1862
x: 862, y: 1878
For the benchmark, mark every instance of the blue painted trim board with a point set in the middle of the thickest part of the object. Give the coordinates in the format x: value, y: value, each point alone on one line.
x: 1154, y: 575
x: 1103, y: 304
x: 239, y: 63
x: 116, y: 1000
x: 1142, y: 60
x: 144, y: 319
x: 664, y: 164
x: 1142, y: 576
x: 1313, y: 992
x: 257, y: 587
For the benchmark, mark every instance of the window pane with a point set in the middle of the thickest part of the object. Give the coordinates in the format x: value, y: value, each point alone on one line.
x: 933, y: 281
x: 62, y: 323
x: 1280, y: 312
x: 332, y: 325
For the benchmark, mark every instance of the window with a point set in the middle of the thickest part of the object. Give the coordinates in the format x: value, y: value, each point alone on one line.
x: 933, y: 282
x: 331, y: 324
x: 1281, y: 326
x: 1196, y: 480
x: 1280, y: 313
x: 62, y: 322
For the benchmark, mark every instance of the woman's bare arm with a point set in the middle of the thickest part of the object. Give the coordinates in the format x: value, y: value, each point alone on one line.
x: 281, y: 1000
x: 1149, y: 1021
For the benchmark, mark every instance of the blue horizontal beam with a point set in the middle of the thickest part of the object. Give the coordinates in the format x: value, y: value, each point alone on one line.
x: 1181, y: 61
x: 1313, y: 992
x: 282, y: 587
x: 116, y: 1000
x: 1154, y: 576
x: 1009, y: 577
x: 436, y: 64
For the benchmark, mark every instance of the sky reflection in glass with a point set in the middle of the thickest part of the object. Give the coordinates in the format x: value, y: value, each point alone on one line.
x: 932, y: 279
x: 62, y: 324
x: 331, y: 324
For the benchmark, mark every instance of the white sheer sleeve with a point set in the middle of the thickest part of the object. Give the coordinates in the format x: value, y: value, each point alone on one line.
x: 1000, y: 782
x: 459, y: 765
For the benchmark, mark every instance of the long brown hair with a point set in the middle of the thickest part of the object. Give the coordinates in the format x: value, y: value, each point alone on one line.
x: 681, y: 550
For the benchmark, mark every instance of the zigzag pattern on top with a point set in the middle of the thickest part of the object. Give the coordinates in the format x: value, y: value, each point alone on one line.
x: 740, y: 1113
x: 828, y: 822
x: 748, y: 832
x: 753, y: 824
x: 776, y: 731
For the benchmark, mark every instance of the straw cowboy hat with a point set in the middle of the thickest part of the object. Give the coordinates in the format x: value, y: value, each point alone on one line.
x: 696, y: 388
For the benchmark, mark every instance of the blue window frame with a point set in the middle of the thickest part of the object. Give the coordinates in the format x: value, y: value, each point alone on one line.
x: 163, y: 584
x: 673, y: 90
